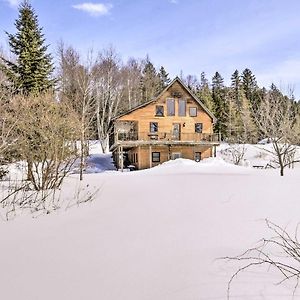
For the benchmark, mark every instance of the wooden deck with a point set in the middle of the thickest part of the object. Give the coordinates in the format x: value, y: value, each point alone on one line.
x: 131, y: 140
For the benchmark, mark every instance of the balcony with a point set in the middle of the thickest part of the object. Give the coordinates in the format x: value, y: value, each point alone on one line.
x: 134, y: 138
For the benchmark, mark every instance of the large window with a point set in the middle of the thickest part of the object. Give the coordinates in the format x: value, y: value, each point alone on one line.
x: 153, y: 127
x: 181, y: 108
x: 193, y: 111
x: 159, y: 111
x: 170, y: 107
x: 155, y: 156
x: 198, y: 127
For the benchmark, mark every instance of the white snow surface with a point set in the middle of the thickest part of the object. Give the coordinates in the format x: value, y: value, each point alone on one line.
x: 152, y: 234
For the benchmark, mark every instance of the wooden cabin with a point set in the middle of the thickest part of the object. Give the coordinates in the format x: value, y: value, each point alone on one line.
x: 175, y: 124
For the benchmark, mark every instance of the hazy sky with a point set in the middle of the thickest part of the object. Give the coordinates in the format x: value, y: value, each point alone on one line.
x: 188, y: 35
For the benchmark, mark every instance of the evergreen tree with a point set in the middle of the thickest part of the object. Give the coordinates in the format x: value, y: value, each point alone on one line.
x: 249, y: 130
x: 220, y: 104
x: 31, y: 72
x: 236, y: 87
x: 164, y: 78
x: 150, y: 81
x: 250, y: 88
x: 204, y: 92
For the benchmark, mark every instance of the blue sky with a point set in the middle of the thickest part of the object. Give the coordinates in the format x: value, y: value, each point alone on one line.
x: 188, y: 35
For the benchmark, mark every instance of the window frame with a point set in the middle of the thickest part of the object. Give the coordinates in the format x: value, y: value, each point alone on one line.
x: 176, y: 155
x: 162, y: 113
x: 196, y: 125
x: 199, y: 154
x: 155, y: 160
x: 196, y: 109
x: 153, y: 129
x: 179, y: 107
x: 172, y: 100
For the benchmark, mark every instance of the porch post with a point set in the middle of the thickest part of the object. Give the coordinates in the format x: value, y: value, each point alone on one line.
x: 139, y: 157
x: 118, y: 160
x: 150, y: 156
x: 122, y: 159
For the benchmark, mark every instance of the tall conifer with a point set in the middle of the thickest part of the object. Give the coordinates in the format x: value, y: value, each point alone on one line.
x: 32, y: 69
x: 220, y: 103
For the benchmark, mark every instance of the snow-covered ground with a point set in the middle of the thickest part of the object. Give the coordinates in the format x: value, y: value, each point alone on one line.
x: 153, y: 234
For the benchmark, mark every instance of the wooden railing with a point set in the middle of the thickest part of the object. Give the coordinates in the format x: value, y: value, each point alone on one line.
x: 167, y: 136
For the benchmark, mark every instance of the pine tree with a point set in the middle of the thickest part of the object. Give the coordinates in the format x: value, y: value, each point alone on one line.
x: 31, y: 72
x: 164, y: 78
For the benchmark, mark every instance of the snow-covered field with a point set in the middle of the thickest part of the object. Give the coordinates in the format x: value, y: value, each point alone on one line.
x: 153, y: 234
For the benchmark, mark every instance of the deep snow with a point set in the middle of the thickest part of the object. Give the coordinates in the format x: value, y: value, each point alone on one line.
x: 152, y: 234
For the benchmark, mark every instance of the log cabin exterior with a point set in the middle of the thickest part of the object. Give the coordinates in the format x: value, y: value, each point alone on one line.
x: 174, y: 124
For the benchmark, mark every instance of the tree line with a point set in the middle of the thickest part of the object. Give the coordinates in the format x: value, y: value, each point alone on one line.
x: 43, y: 104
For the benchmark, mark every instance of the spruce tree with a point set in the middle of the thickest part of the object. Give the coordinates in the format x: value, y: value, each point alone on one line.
x: 220, y: 104
x: 250, y: 86
x: 164, y: 78
x: 150, y: 81
x: 204, y: 92
x: 32, y: 69
x: 236, y: 87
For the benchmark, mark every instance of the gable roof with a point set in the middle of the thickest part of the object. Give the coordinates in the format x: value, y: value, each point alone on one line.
x: 176, y: 79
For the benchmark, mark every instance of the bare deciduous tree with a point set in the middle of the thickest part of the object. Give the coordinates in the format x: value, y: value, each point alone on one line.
x: 280, y: 252
x: 278, y: 121
x: 108, y: 89
x: 132, y: 74
x: 45, y: 132
x: 236, y: 153
x: 77, y: 82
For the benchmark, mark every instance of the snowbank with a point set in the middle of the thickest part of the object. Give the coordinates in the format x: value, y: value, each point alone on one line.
x: 206, y: 166
x: 150, y: 236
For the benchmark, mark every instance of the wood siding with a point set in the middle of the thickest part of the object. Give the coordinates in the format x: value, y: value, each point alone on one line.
x: 144, y: 154
x: 140, y: 155
x: 146, y: 114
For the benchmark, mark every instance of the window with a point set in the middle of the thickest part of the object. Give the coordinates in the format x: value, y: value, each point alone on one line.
x: 171, y: 107
x: 155, y: 156
x: 153, y: 126
x: 197, y: 156
x: 182, y: 108
x: 159, y: 111
x: 193, y: 111
x: 176, y: 155
x: 198, y: 127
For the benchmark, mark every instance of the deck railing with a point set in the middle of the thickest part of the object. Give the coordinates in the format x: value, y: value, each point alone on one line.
x: 167, y: 136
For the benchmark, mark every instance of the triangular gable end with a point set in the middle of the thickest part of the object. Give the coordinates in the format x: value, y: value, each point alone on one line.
x: 176, y: 79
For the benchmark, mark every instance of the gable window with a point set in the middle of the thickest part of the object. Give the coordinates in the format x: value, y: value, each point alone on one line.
x: 155, y: 156
x: 153, y: 127
x: 159, y: 111
x: 198, y: 127
x: 193, y: 111
x: 182, y: 108
x: 171, y: 107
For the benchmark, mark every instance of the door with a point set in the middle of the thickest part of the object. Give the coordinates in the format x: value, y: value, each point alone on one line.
x: 176, y: 131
